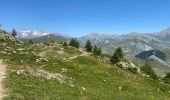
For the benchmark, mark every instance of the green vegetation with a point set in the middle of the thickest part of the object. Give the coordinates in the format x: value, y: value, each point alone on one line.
x: 65, y: 44
x: 74, y: 43
x: 97, y: 51
x: 90, y: 78
x: 52, y: 71
x: 14, y: 33
x: 30, y: 41
x: 167, y: 77
x: 146, y: 68
x: 133, y: 70
x: 117, y: 56
x: 88, y: 46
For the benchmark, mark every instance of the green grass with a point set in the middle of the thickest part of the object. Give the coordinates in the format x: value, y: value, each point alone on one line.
x: 100, y: 80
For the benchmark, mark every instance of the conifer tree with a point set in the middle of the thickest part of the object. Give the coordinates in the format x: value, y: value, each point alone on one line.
x: 30, y: 41
x: 64, y: 44
x: 117, y: 56
x: 96, y: 50
x: 88, y: 46
x: 74, y: 43
x: 14, y: 33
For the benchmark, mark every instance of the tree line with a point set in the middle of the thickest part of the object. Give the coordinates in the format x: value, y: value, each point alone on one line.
x: 88, y: 46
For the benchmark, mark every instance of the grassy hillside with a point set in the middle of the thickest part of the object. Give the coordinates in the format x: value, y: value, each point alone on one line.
x: 54, y: 72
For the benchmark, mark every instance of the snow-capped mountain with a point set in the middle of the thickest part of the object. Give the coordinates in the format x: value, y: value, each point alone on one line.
x: 30, y: 34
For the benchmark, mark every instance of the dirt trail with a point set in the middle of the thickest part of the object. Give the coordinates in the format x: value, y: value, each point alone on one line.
x: 2, y: 76
x: 83, y: 53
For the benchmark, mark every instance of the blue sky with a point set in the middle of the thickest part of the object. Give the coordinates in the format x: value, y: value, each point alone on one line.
x: 80, y: 17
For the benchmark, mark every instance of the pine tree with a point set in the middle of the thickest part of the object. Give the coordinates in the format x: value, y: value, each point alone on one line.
x: 96, y: 50
x: 14, y: 33
x: 74, y: 43
x: 120, y: 52
x: 117, y: 56
x: 88, y: 46
x: 30, y: 41
x: 167, y: 77
x: 99, y: 51
x: 64, y: 44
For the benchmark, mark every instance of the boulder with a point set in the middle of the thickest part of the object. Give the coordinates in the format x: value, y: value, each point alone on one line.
x: 122, y: 65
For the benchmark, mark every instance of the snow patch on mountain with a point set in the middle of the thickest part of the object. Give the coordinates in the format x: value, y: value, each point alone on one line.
x: 31, y: 34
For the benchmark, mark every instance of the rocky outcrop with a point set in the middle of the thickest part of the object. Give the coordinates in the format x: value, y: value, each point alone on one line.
x: 4, y: 36
x: 122, y: 65
x: 47, y: 75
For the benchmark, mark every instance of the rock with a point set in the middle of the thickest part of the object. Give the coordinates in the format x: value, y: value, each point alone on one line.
x: 6, y: 36
x: 120, y: 88
x: 64, y: 70
x: 21, y: 49
x: 83, y: 88
x: 60, y: 52
x: 71, y: 85
x: 20, y: 71
x: 41, y: 59
x: 47, y: 75
x: 122, y: 65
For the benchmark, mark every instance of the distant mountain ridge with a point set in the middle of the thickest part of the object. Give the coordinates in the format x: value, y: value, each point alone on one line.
x: 29, y: 34
x: 132, y: 44
x: 135, y: 43
x: 47, y: 38
x: 146, y: 54
x: 138, y: 41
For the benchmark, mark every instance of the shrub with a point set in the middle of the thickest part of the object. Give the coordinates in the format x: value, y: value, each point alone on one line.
x: 133, y: 70
x: 64, y: 44
x: 167, y: 78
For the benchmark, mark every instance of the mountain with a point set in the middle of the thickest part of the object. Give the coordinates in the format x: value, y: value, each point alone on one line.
x: 152, y: 53
x: 47, y: 38
x: 30, y: 34
x: 133, y: 44
x: 164, y: 35
x: 34, y: 34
